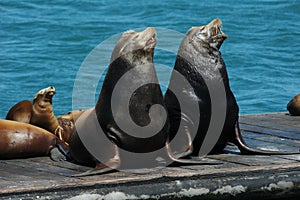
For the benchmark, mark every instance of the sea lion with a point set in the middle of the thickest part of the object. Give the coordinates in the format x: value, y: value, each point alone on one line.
x: 294, y: 106
x: 200, y: 62
x: 72, y: 115
x: 20, y: 112
x: 67, y: 122
x: 22, y: 140
x: 134, y: 51
x: 42, y: 112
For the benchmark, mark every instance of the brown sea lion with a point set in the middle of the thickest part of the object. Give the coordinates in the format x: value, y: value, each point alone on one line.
x: 22, y: 140
x: 67, y: 122
x: 20, y: 112
x: 294, y: 106
x: 200, y: 62
x: 72, y: 115
x: 42, y: 112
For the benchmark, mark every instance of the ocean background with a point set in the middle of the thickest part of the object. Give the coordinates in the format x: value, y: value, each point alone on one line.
x: 44, y: 43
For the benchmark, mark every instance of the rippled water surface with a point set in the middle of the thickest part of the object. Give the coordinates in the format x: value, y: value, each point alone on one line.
x: 44, y: 43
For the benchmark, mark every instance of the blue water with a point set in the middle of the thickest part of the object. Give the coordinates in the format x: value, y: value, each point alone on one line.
x: 44, y: 43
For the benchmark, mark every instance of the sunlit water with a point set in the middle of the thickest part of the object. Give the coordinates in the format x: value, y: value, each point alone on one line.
x: 43, y: 43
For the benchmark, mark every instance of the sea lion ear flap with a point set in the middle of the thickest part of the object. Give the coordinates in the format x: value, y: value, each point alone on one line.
x: 35, y: 96
x: 129, y: 32
x: 202, y: 32
x: 41, y: 92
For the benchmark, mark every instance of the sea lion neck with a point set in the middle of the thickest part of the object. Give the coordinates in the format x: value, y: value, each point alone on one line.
x: 138, y: 57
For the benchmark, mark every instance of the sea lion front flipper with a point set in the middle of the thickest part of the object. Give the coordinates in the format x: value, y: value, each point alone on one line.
x: 113, y: 134
x: 246, y: 150
x: 56, y: 155
x: 61, y: 149
x: 59, y: 132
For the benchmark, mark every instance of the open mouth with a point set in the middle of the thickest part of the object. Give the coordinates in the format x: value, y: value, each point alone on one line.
x: 151, y: 41
x: 218, y: 32
x: 50, y: 94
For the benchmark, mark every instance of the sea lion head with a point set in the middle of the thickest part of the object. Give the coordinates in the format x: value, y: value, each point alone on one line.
x: 210, y: 35
x: 45, y: 95
x: 294, y: 106
x: 135, y: 47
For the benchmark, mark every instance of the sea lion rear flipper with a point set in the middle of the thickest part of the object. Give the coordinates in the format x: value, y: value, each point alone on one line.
x: 246, y: 150
x: 56, y: 155
x: 61, y: 149
x: 101, y: 168
x: 111, y: 165
x: 184, y: 159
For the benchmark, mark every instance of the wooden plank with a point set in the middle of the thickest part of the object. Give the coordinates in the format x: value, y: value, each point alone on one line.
x: 270, y: 146
x: 29, y: 178
x: 42, y: 168
x: 273, y: 139
x: 251, y: 160
x: 283, y: 117
x: 263, y: 121
x: 291, y: 157
x: 200, y: 186
x: 62, y: 164
x: 286, y: 133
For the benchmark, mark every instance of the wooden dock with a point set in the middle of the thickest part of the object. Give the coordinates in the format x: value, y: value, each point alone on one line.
x: 239, y: 177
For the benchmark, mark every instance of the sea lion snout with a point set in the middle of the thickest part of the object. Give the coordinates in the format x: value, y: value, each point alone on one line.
x: 51, y: 91
x: 48, y: 92
x: 147, y: 38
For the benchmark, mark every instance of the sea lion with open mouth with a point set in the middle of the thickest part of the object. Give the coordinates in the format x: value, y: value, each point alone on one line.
x: 200, y: 62
x: 42, y: 112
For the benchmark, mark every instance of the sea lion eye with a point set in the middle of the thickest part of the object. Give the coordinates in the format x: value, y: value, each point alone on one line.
x: 201, y: 34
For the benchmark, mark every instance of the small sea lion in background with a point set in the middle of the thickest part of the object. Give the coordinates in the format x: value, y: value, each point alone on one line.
x: 200, y: 62
x: 22, y: 140
x: 20, y: 112
x: 67, y: 122
x: 294, y: 106
x: 72, y: 115
x: 42, y: 112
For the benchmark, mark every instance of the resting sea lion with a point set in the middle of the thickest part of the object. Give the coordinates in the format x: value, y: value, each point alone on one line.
x: 20, y: 112
x: 294, y: 106
x: 200, y: 62
x: 22, y: 140
x: 67, y: 122
x: 42, y: 112
x: 134, y: 54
